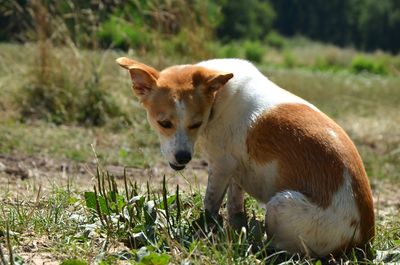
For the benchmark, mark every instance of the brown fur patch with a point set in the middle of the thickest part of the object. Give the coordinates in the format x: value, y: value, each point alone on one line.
x: 161, y: 105
x: 183, y: 78
x: 158, y: 92
x: 179, y: 81
x: 312, y: 153
x: 178, y: 78
x: 187, y: 84
x: 130, y: 64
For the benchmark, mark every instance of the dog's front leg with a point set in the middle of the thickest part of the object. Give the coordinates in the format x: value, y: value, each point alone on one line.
x: 216, y: 189
x: 235, y: 204
x: 220, y: 175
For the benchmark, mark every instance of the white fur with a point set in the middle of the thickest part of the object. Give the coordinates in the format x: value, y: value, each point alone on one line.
x: 180, y: 140
x: 298, y: 225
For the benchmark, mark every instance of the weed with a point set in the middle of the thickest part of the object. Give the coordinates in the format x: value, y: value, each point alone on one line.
x: 231, y: 50
x: 122, y: 34
x: 289, y: 60
x: 362, y: 64
x: 274, y: 39
x: 331, y: 60
x: 57, y: 96
x: 156, y: 223
x: 65, y: 103
x: 54, y: 84
x: 254, y: 51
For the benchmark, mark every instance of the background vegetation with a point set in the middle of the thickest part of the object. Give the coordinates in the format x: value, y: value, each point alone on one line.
x: 364, y: 24
x: 64, y: 103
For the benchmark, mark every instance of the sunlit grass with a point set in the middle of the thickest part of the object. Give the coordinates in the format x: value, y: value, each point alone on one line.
x: 129, y: 222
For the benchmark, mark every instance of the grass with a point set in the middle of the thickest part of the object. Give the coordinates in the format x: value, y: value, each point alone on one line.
x: 126, y: 222
x: 131, y: 146
x: 56, y: 222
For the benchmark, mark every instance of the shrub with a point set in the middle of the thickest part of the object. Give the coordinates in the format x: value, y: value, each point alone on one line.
x: 288, y: 59
x: 64, y: 102
x: 254, y: 51
x: 245, y: 19
x: 362, y: 63
x: 327, y: 62
x: 332, y: 58
x: 186, y: 43
x: 122, y: 34
x: 66, y: 90
x: 275, y: 40
x: 98, y: 105
x: 230, y: 50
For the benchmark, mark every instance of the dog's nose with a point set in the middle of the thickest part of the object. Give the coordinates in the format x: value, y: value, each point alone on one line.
x: 183, y: 157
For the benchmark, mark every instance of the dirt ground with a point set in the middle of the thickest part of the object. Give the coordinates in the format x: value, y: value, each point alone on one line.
x: 26, y: 172
x: 20, y: 173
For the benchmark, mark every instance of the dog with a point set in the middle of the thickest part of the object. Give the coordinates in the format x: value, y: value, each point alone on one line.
x: 261, y: 139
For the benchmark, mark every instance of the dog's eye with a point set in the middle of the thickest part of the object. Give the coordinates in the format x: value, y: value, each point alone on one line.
x: 195, y: 125
x: 165, y: 124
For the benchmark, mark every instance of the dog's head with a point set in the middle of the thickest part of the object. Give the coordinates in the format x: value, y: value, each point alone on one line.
x: 178, y: 102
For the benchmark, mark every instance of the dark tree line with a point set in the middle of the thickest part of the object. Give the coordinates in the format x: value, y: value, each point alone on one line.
x: 365, y: 24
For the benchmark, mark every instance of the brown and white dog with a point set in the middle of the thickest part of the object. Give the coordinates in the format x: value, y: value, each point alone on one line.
x: 260, y: 139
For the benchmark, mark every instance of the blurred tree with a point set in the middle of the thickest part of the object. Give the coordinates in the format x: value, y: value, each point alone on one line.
x: 322, y: 20
x: 366, y: 24
x: 379, y: 25
x: 13, y: 20
x: 250, y: 19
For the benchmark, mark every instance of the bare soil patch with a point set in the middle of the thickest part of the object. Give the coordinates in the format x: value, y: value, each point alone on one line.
x: 26, y: 173
x: 19, y: 172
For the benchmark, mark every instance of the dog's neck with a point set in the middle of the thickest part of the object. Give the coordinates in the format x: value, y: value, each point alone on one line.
x: 222, y: 100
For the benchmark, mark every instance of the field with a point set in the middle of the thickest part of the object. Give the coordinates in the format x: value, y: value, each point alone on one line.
x: 80, y: 193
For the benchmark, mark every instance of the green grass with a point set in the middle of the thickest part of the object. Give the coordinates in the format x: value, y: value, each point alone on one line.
x: 131, y: 146
x: 148, y: 224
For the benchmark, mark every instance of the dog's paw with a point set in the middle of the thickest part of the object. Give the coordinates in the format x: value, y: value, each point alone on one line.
x: 238, y: 220
x: 207, y: 223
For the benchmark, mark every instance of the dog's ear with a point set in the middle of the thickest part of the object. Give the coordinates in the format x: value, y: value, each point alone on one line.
x: 218, y: 81
x: 210, y: 81
x: 144, y: 78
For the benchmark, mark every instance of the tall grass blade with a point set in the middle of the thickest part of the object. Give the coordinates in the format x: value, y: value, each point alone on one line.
x: 98, y: 207
x: 178, y: 207
x: 2, y: 258
x: 9, y: 246
x: 126, y: 186
x: 165, y: 201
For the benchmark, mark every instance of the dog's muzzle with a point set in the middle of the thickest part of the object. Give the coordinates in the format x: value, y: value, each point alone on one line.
x: 182, y: 158
x: 176, y: 167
